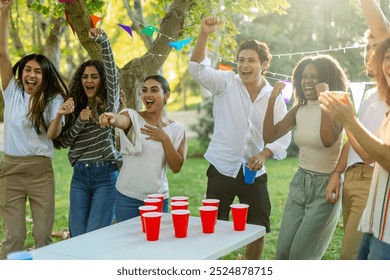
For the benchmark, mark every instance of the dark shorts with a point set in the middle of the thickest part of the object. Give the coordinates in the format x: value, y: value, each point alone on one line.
x: 227, y: 188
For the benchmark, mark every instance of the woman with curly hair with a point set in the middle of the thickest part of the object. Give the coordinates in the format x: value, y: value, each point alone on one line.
x: 308, y: 220
x: 33, y: 93
x: 95, y: 90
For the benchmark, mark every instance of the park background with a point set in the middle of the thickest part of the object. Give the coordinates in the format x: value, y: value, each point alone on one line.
x: 140, y: 32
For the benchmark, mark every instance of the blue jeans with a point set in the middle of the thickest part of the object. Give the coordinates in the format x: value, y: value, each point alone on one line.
x: 92, y: 196
x: 127, y: 207
x: 373, y: 249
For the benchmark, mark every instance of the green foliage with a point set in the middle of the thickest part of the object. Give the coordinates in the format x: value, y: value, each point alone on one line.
x: 56, y: 9
x: 95, y: 6
x: 50, y: 8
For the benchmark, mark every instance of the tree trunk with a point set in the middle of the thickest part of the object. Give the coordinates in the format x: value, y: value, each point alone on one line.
x: 52, y: 48
x: 135, y: 71
x: 80, y: 20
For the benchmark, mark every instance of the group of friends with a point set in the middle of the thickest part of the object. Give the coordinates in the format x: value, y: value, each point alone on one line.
x: 251, y: 125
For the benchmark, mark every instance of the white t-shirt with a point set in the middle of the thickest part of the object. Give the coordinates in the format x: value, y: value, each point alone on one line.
x: 371, y: 114
x: 20, y: 137
x: 144, y: 169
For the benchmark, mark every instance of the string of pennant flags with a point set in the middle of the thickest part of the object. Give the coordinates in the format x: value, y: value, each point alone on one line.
x: 226, y: 64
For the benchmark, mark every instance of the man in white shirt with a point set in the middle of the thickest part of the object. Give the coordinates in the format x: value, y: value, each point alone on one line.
x: 240, y: 102
x: 358, y: 165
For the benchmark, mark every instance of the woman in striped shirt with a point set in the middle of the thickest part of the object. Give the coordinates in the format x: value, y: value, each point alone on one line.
x: 95, y: 90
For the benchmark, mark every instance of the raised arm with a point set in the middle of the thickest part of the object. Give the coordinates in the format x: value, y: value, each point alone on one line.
x: 5, y: 60
x: 345, y: 114
x: 376, y: 19
x: 330, y: 130
x: 208, y: 25
x: 122, y: 120
x: 112, y: 76
x: 272, y: 131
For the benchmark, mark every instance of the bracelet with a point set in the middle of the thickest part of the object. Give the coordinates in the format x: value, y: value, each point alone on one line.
x: 336, y: 171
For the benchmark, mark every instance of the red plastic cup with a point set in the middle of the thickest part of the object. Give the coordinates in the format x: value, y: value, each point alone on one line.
x: 210, y: 202
x: 179, y: 198
x: 155, y: 202
x: 178, y: 205
x: 152, y: 225
x: 180, y: 220
x: 239, y: 215
x: 157, y: 196
x: 208, y: 217
x: 145, y: 209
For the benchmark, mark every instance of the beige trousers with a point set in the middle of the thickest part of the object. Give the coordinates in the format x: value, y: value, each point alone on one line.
x: 355, y: 193
x: 29, y: 177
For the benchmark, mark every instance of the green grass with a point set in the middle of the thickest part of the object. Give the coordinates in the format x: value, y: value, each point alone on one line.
x: 191, y: 182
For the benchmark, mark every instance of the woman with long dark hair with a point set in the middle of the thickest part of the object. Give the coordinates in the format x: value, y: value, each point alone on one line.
x: 150, y: 144
x: 33, y: 93
x: 92, y: 153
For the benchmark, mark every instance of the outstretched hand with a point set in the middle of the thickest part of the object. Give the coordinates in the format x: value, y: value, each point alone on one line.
x: 107, y: 119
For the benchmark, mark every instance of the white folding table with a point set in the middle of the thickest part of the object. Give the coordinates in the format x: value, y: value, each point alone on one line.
x: 125, y: 241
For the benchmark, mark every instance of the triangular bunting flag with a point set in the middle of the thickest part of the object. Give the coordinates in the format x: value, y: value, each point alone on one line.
x: 149, y: 30
x: 127, y: 28
x: 225, y: 67
x: 287, y: 91
x: 178, y: 45
x: 357, y: 90
x: 95, y: 19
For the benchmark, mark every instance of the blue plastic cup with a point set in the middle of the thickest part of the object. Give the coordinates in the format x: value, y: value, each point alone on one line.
x: 20, y: 255
x: 249, y: 175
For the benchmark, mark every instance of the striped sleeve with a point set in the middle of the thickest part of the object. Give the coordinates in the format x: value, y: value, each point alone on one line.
x: 71, y: 133
x: 112, y: 75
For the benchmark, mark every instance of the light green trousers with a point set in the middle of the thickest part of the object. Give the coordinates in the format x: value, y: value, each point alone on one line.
x: 308, y: 220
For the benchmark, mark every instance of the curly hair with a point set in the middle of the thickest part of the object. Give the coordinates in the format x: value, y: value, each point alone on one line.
x: 80, y: 98
x: 329, y: 71
x: 52, y: 84
x: 376, y: 63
